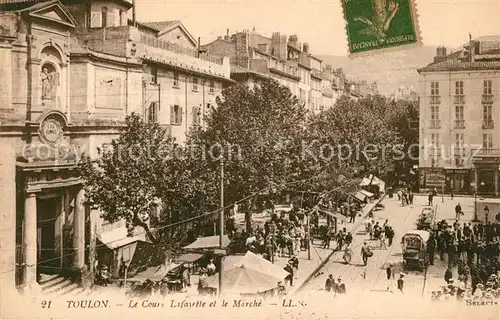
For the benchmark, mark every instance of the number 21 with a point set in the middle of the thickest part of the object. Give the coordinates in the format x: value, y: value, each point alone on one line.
x: 46, y: 304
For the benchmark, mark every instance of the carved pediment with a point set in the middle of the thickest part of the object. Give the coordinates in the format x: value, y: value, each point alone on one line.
x: 54, y: 12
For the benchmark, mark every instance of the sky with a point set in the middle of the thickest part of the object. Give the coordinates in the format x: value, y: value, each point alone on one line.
x: 319, y: 23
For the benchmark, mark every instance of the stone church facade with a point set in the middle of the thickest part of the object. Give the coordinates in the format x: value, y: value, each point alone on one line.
x: 70, y: 73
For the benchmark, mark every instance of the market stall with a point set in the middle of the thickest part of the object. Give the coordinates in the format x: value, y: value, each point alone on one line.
x: 248, y: 274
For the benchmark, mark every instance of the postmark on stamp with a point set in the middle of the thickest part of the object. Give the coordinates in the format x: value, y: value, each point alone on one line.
x: 380, y: 24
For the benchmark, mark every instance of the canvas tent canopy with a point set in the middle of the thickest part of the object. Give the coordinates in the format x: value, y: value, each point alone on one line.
x: 360, y: 197
x: 247, y: 274
x: 154, y: 274
x: 210, y: 242
x: 189, y: 257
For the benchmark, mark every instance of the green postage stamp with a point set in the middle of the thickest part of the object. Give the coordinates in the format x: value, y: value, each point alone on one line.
x: 380, y: 24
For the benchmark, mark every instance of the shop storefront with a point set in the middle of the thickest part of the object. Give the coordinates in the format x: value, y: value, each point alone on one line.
x: 430, y: 178
x: 458, y: 181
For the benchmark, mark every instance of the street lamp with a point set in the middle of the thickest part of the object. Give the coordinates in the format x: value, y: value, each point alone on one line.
x: 474, y: 185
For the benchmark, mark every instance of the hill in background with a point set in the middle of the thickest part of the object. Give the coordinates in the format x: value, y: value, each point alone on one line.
x: 391, y: 70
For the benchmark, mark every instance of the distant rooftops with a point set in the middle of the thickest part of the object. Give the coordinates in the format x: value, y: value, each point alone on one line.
x: 481, y: 53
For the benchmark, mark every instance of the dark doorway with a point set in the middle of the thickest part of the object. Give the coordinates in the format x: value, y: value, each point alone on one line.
x: 47, y: 211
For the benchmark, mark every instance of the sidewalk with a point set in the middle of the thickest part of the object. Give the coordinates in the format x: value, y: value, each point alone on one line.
x: 319, y: 256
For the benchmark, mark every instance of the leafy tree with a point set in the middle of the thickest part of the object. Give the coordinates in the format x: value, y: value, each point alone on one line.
x: 125, y: 180
x: 258, y: 131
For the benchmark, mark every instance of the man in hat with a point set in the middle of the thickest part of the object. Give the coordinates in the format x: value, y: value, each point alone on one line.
x: 340, y: 287
x: 294, y: 262
x: 448, y: 275
x: 390, y: 277
x: 329, y: 283
x: 401, y: 282
x: 211, y: 269
x: 289, y: 278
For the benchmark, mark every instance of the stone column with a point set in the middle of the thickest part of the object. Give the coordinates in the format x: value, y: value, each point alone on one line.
x: 30, y: 235
x: 79, y: 229
x: 7, y: 217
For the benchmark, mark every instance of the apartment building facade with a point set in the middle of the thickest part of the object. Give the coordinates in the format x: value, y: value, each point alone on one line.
x: 255, y: 57
x: 71, y: 72
x: 459, y: 115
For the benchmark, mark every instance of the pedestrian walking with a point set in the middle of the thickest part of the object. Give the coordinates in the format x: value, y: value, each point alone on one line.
x: 352, y: 215
x: 390, y: 235
x: 431, y: 196
x: 289, y: 278
x: 341, y: 287
x: 383, y: 245
x: 410, y: 197
x: 340, y: 240
x: 448, y: 275
x: 431, y: 248
x: 329, y: 283
x: 365, y: 253
x: 401, y: 282
x: 390, y: 277
x: 458, y: 211
x: 294, y: 262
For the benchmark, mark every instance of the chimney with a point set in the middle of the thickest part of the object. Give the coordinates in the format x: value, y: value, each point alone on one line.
x: 278, y: 45
x: 293, y: 41
x: 440, y: 55
x: 219, y: 38
x: 305, y: 47
x: 472, y: 48
x: 133, y: 13
x: 328, y: 68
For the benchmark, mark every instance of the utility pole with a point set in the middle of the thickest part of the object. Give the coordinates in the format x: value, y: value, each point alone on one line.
x: 308, y: 238
x: 221, y: 216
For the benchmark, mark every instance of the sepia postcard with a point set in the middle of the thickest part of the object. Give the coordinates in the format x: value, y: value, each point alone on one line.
x: 249, y: 159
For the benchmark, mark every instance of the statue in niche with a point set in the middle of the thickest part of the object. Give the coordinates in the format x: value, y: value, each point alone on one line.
x: 50, y: 82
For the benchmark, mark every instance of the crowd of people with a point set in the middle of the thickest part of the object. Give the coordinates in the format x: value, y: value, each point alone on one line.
x: 473, y: 248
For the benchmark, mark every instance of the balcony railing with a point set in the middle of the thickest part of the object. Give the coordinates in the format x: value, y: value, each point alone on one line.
x: 435, y: 99
x: 459, y: 99
x: 488, y: 124
x: 482, y: 152
x: 487, y: 98
x: 459, y: 152
x: 460, y: 124
x: 435, y: 124
x: 173, y: 47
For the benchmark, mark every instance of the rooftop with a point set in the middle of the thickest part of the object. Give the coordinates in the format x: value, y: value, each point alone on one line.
x: 486, y: 54
x: 159, y: 25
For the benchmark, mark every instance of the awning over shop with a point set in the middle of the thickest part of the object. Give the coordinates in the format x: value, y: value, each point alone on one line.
x: 335, y: 215
x: 373, y: 181
x: 367, y: 193
x: 189, y: 257
x: 359, y: 196
x: 365, y: 182
x: 154, y: 274
x: 209, y: 242
x: 118, y: 237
